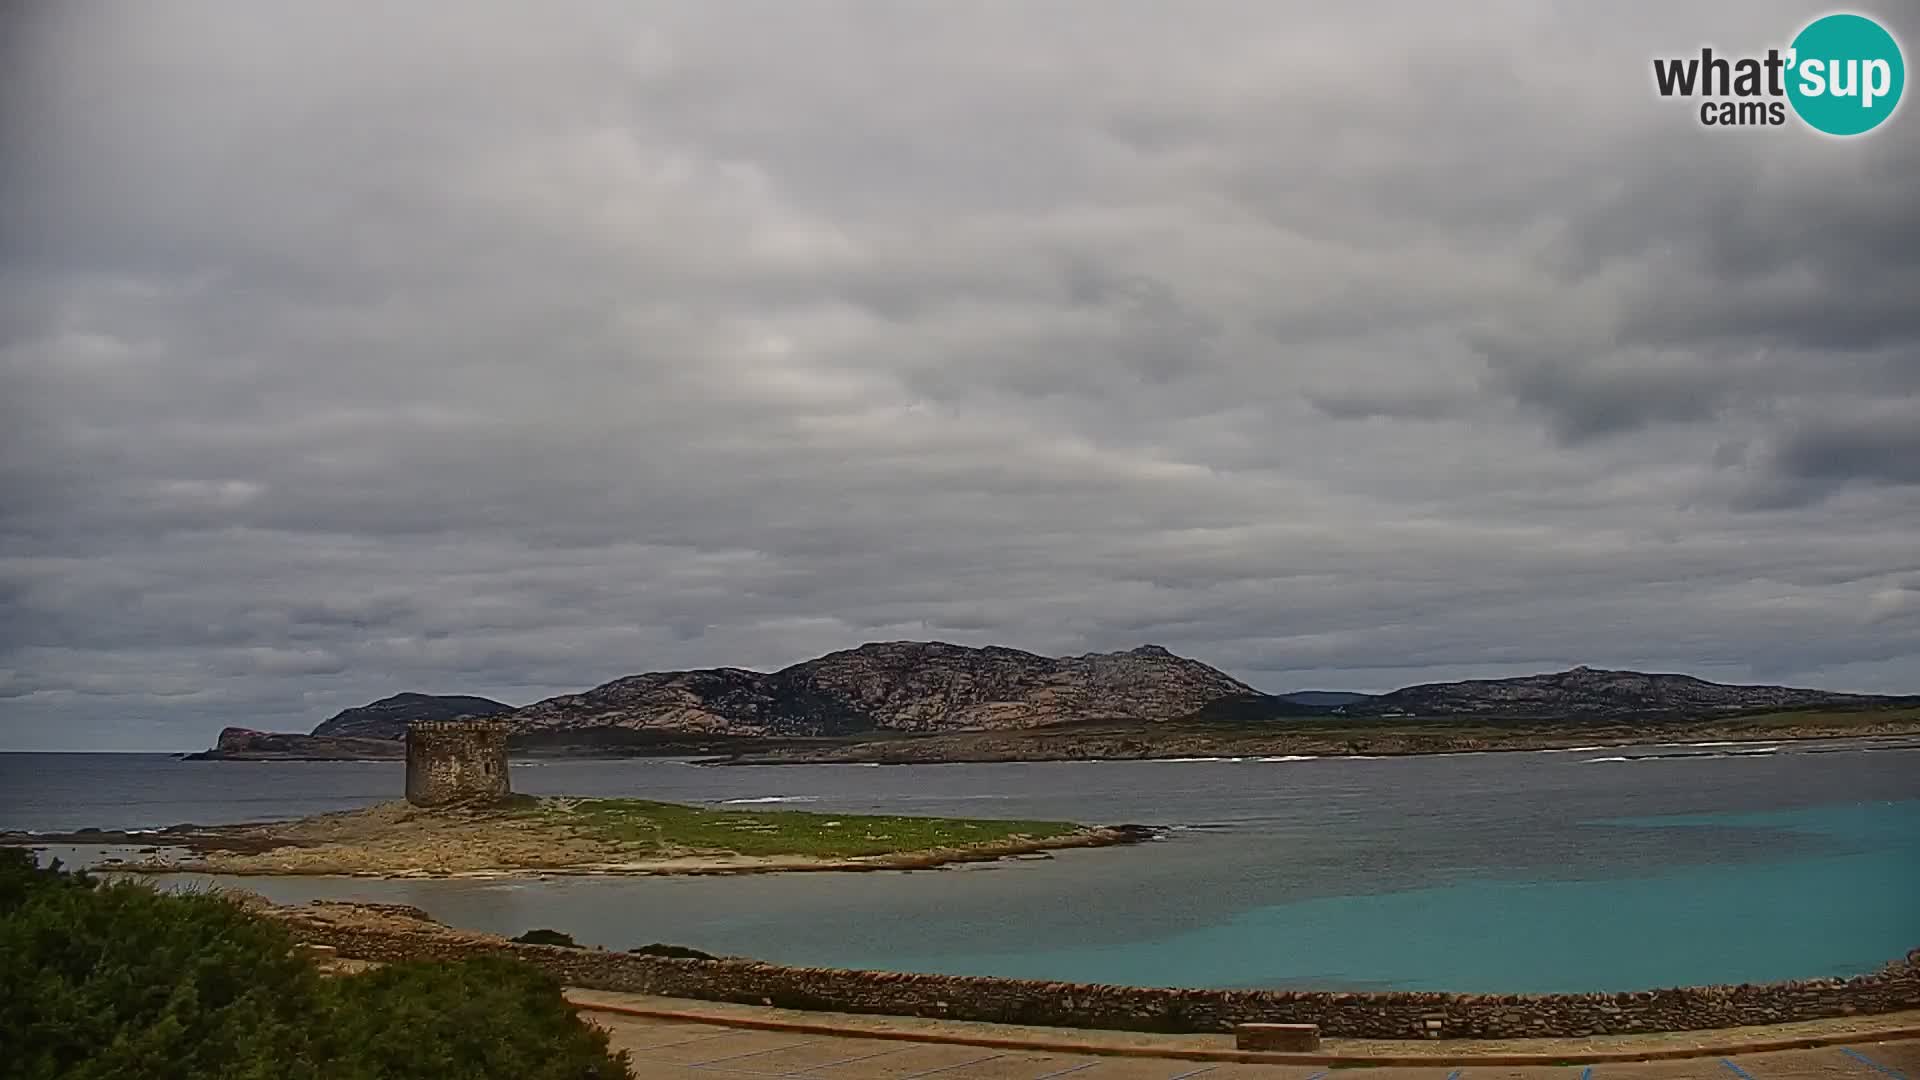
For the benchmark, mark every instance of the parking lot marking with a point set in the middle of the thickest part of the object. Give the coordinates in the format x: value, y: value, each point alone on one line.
x: 1063, y: 1072
x: 755, y: 1053
x: 848, y: 1061
x: 950, y: 1068
x: 1872, y: 1064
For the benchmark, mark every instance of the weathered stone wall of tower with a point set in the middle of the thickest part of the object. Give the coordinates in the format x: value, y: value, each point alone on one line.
x: 456, y: 761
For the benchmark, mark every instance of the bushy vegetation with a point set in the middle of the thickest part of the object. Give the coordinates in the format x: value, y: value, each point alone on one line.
x: 487, y: 1016
x: 669, y: 827
x: 543, y: 936
x: 118, y: 980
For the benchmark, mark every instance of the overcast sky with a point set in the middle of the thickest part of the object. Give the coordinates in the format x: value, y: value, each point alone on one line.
x: 348, y: 349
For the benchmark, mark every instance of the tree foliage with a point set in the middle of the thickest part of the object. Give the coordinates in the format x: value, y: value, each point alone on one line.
x: 119, y: 980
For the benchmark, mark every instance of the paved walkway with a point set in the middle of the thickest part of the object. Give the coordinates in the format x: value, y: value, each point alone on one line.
x: 669, y: 1051
x: 886, y: 1048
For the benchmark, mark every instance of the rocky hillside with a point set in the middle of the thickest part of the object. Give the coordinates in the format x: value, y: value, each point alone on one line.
x: 906, y: 686
x: 245, y: 744
x: 1585, y: 691
x: 388, y: 718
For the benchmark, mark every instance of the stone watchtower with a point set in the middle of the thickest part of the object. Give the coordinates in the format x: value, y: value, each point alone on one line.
x: 456, y: 762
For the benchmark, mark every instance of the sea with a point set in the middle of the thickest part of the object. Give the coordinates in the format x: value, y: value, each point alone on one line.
x: 1602, y: 868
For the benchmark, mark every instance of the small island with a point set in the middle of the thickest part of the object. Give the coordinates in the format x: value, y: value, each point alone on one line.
x: 461, y: 818
x: 525, y: 835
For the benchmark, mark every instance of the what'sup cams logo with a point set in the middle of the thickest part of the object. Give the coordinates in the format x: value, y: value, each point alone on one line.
x: 1841, y: 75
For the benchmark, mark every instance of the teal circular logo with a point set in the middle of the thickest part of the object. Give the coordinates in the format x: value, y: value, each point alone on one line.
x: 1846, y: 75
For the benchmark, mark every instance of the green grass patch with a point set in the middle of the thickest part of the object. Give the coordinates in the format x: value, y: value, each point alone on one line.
x: 667, y: 827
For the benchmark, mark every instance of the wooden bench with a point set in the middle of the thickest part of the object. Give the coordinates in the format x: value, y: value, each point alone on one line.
x: 1294, y: 1038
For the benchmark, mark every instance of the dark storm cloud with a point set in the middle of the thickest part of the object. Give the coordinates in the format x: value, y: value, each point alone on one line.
x: 1871, y: 448
x: 478, y: 349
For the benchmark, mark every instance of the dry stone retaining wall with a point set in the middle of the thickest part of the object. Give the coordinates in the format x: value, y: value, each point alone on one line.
x: 397, y: 936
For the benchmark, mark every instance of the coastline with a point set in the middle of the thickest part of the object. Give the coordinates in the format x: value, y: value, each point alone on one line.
x: 1097, y: 740
x: 1038, y: 745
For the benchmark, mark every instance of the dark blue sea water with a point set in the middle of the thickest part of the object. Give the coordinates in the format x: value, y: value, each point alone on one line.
x: 1591, y: 870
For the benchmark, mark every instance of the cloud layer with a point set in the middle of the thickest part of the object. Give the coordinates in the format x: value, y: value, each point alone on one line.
x: 505, y: 349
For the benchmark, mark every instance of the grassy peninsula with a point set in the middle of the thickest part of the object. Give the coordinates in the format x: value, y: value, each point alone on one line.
x: 526, y: 834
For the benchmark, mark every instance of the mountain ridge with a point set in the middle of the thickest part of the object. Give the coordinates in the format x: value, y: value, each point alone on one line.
x: 901, y: 689
x: 896, y: 686
x: 1587, y: 690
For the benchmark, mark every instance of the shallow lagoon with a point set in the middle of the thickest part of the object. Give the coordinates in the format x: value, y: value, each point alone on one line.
x: 1483, y: 872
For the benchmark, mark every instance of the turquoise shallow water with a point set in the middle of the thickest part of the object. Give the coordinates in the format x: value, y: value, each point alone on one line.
x: 1482, y: 873
x: 1746, y: 922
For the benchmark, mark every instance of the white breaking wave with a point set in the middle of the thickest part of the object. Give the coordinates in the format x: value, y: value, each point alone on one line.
x: 1289, y: 757
x: 1593, y: 760
x: 1192, y: 759
x: 771, y: 799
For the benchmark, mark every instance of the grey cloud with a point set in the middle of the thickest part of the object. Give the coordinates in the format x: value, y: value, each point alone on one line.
x: 1875, y: 448
x: 1588, y: 400
x: 1364, y: 404
x: 484, y: 350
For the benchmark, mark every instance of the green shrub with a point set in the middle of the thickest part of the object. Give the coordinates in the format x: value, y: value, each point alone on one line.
x: 20, y: 876
x: 121, y: 981
x: 547, y: 937
x: 484, y: 1016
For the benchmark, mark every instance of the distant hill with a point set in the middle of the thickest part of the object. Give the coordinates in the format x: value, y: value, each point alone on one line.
x: 388, y: 718
x: 1144, y: 698
x: 1325, y: 698
x: 1586, y: 691
x: 900, y: 686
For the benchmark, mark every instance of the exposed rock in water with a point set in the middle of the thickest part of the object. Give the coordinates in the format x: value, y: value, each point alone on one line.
x: 678, y: 952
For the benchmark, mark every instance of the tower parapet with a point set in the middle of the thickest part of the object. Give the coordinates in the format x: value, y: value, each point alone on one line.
x: 453, y: 762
